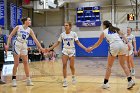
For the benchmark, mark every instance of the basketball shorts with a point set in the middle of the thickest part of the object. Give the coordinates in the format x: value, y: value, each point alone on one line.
x: 69, y: 52
x: 20, y: 48
x: 117, y: 48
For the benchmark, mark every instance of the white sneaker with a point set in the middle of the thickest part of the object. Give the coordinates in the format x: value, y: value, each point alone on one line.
x: 133, y: 72
x: 29, y: 82
x: 73, y: 80
x: 14, y: 83
x: 105, y: 86
x: 65, y: 83
x: 130, y: 84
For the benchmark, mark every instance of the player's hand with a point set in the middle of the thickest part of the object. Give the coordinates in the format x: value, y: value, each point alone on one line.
x: 47, y: 50
x: 42, y: 49
x: 135, y: 52
x: 89, y: 49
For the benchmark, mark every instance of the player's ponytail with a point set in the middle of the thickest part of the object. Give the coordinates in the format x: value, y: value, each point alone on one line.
x: 110, y: 27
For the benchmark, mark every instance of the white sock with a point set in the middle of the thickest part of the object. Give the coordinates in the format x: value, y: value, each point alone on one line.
x: 65, y: 79
x: 28, y: 78
x: 133, y: 68
x: 73, y: 76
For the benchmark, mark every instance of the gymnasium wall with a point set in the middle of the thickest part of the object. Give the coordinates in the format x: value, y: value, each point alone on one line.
x: 55, y: 18
x: 39, y: 19
x: 119, y: 15
x: 101, y: 51
x: 48, y: 35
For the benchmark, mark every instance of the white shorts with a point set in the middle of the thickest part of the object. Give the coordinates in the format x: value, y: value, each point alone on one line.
x: 69, y: 52
x: 117, y: 48
x: 20, y: 48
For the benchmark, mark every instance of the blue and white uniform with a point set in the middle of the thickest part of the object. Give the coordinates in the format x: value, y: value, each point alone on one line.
x: 131, y: 38
x: 20, y: 43
x: 68, y: 43
x: 117, y: 47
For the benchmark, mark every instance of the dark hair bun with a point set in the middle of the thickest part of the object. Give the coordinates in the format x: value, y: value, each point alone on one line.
x: 24, y: 19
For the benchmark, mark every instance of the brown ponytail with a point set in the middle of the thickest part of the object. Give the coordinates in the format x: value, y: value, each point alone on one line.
x: 111, y: 28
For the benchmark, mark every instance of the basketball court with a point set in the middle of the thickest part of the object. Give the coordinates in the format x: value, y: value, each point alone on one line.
x: 47, y: 78
x: 48, y: 18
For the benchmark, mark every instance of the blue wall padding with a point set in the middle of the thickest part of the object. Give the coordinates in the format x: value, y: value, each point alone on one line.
x: 101, y: 51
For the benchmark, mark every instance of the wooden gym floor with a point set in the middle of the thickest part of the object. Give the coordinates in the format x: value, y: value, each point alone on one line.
x: 47, y: 78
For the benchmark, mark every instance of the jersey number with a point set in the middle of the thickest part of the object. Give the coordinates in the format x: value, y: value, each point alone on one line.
x: 23, y: 36
x: 68, y: 43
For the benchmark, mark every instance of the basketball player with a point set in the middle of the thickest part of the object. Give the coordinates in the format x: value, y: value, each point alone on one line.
x: 117, y: 47
x: 2, y: 49
x: 22, y: 32
x: 129, y: 54
x: 68, y: 37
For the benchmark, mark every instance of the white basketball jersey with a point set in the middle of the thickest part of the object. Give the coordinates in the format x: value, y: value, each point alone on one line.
x: 22, y: 34
x: 131, y: 38
x: 111, y: 36
x: 68, y: 39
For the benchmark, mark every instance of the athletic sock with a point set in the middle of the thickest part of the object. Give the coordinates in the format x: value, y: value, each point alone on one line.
x: 129, y: 79
x: 13, y: 77
x: 105, y: 81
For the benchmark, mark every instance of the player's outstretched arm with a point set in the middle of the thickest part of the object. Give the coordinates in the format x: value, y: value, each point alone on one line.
x: 55, y: 45
x: 10, y: 36
x: 97, y: 43
x: 36, y: 41
x: 81, y: 45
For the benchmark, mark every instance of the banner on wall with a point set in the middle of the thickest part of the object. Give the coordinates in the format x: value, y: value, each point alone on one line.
x: 16, y: 15
x: 19, y: 15
x: 31, y: 42
x: 2, y: 13
x: 13, y: 15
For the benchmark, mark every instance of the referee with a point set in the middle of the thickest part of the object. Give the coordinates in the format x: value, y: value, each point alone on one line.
x: 2, y: 49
